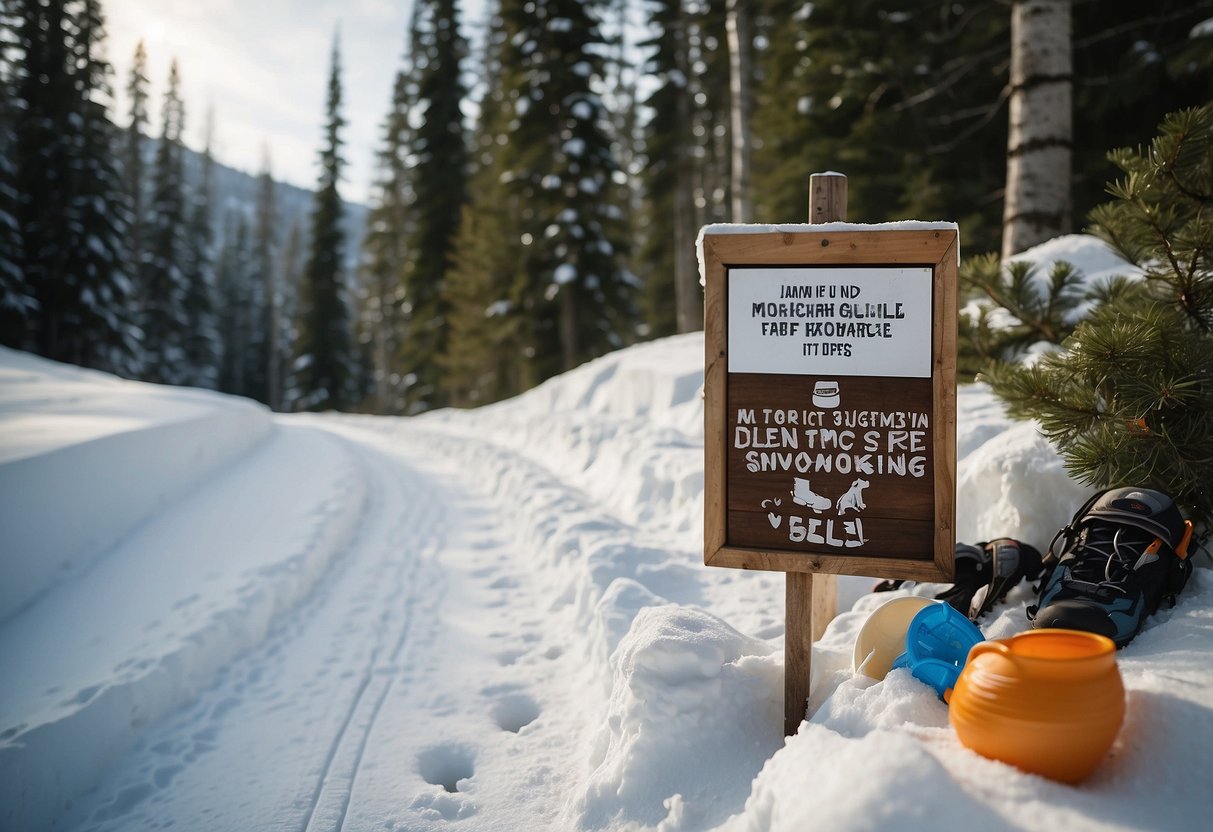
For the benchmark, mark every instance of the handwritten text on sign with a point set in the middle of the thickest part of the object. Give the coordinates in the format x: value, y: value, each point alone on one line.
x: 815, y: 467
x: 827, y: 320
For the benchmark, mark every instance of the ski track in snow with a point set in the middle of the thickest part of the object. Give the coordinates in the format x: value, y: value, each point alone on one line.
x: 305, y: 749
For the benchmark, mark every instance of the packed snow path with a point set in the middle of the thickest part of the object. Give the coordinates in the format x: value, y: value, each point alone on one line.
x: 330, y: 723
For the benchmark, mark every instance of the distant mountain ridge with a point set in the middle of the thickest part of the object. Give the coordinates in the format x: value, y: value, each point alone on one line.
x: 234, y: 194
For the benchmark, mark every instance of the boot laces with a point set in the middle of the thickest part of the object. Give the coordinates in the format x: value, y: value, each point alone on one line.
x: 1105, y: 557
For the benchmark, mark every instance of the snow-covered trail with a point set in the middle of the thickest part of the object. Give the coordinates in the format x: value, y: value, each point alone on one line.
x: 212, y: 617
x: 400, y: 694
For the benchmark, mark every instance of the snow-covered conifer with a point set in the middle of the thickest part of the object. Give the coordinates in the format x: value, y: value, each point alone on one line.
x: 1128, y: 399
x: 165, y: 321
x: 384, y: 248
x: 439, y: 185
x: 70, y: 211
x: 560, y: 168
x: 17, y: 303
x: 265, y: 275
x: 134, y: 168
x: 324, y: 364
x: 201, y: 344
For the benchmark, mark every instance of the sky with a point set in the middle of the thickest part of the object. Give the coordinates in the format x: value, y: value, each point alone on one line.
x: 262, y: 67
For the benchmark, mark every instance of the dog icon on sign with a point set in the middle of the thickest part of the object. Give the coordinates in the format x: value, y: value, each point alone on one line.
x: 825, y: 394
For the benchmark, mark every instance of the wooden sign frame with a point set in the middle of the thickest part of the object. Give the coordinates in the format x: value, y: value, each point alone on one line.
x: 833, y: 247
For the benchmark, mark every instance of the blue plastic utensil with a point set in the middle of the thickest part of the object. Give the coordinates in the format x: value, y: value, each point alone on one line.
x: 938, y: 641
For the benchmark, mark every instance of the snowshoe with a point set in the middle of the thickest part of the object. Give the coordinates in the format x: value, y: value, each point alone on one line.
x: 986, y: 572
x: 1123, y: 553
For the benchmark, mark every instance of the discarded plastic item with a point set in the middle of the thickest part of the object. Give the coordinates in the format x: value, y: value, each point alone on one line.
x: 937, y: 643
x: 883, y: 636
x: 1046, y: 701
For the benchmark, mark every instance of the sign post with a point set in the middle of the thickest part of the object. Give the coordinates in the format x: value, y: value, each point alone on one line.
x: 830, y: 408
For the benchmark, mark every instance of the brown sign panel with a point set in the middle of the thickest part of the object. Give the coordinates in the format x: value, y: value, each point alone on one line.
x: 830, y: 399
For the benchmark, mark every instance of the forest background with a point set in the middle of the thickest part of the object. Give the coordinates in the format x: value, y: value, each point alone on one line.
x: 554, y: 224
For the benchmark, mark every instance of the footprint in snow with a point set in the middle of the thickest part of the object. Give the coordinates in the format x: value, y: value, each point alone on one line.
x: 514, y: 711
x: 446, y: 766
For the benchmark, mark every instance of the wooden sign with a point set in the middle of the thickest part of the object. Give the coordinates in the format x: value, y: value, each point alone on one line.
x: 830, y: 398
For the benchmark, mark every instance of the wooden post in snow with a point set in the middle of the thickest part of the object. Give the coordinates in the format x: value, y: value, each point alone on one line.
x: 811, y: 599
x: 772, y: 378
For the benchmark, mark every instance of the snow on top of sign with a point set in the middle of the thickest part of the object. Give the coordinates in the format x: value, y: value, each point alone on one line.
x: 832, y: 227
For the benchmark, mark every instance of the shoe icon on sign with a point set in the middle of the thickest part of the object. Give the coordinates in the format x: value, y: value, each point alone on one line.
x: 803, y: 494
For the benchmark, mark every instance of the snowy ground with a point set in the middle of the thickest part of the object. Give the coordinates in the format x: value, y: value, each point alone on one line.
x: 217, y: 618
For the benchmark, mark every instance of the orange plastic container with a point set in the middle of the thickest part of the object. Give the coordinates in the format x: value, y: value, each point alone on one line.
x: 1046, y: 701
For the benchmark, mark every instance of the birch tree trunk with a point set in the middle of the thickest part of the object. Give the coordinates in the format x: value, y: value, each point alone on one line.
x: 1037, y: 205
x: 738, y: 28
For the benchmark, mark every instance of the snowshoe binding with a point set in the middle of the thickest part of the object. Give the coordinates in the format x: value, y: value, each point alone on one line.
x: 986, y: 572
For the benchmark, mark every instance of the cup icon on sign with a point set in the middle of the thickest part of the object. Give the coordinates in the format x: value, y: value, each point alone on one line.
x: 825, y: 394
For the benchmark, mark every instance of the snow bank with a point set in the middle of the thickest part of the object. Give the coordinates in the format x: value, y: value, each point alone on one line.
x: 193, y: 584
x: 687, y: 688
x: 111, y: 452
x: 1091, y: 256
x: 627, y: 428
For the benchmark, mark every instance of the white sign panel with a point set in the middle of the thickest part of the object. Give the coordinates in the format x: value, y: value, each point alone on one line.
x: 830, y: 320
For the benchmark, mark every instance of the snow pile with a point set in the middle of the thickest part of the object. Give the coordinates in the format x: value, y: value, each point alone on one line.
x: 111, y: 452
x: 687, y: 687
x: 110, y: 641
x: 500, y: 618
x: 1091, y: 256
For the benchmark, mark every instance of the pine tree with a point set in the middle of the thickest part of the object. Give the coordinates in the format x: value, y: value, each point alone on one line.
x: 289, y: 274
x: 910, y: 99
x: 560, y: 172
x: 323, y: 364
x: 265, y: 275
x: 236, y: 316
x: 1129, y: 398
x: 1133, y: 64
x: 163, y: 282
x: 490, y: 341
x: 672, y: 299
x: 70, y: 211
x: 103, y: 334
x: 710, y: 118
x: 741, y: 46
x: 1017, y: 308
x: 892, y: 93
x: 201, y: 345
x: 43, y: 108
x: 134, y: 169
x: 17, y: 302
x: 439, y: 186
x: 385, y: 249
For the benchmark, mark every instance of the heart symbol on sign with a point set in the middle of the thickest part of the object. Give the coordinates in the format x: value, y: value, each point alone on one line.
x: 775, y: 519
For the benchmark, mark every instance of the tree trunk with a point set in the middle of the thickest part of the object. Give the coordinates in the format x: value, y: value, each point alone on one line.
x: 1037, y: 206
x: 568, y: 329
x: 738, y: 27
x: 688, y: 296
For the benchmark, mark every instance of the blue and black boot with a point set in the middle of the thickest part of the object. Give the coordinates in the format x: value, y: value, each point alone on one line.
x: 1124, y: 553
